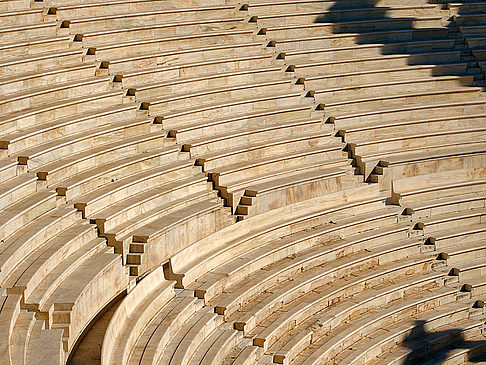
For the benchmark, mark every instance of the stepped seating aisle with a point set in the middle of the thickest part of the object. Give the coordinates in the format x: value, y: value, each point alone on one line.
x: 253, y: 82
x: 416, y: 68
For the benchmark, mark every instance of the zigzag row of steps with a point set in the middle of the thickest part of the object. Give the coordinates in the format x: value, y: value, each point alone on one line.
x: 189, y: 183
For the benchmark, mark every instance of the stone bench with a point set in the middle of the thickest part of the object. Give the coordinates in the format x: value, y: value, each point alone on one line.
x: 195, y: 58
x: 9, y: 5
x: 396, y: 117
x: 21, y: 17
x: 375, y: 147
x: 107, y: 52
x: 45, y: 257
x: 57, y: 129
x: 164, y: 14
x: 197, y: 133
x: 334, y: 316
x: 33, y: 46
x: 470, y: 19
x: 217, y: 345
x: 466, y: 8
x: 196, y: 69
x: 232, y: 180
x: 121, y: 236
x: 290, y: 288
x: 305, y: 42
x: 448, y: 238
x: 25, y: 211
x: 289, y: 6
x: 95, y: 178
x: 45, y: 113
x: 97, y: 140
x: 102, y: 8
x: 441, y: 333
x: 39, y: 62
x: 183, y: 346
x: 34, y: 79
x: 362, y: 26
x: 349, y: 93
x: 16, y: 189
x: 316, y: 271
x: 389, y: 75
x: 476, y: 43
x: 361, y: 134
x: 463, y: 253
x: 228, y: 134
x: 24, y: 32
x: 23, y: 329
x: 18, y: 247
x: 426, y: 209
x: 337, y: 52
x: 46, y: 344
x: 249, y: 259
x: 195, y: 85
x: 248, y: 355
x: 230, y: 108
x: 9, y: 169
x: 98, y: 3
x: 471, y: 270
x: 436, y: 185
x: 159, y: 105
x: 400, y: 99
x: 472, y: 31
x: 111, y: 208
x: 290, y: 189
x: 10, y: 310
x: 170, y: 319
x: 70, y: 306
x: 330, y: 346
x: 222, y: 246
x: 341, y: 18
x: 451, y: 220
x: 372, y: 63
x: 129, y: 176
x: 75, y: 162
x: 142, y: 31
x: 233, y: 155
x: 262, y: 7
x: 393, y: 164
x: 35, y: 97
x: 473, y: 349
x: 130, y: 318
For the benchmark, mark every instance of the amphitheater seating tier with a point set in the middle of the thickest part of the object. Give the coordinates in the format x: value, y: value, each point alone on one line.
x: 223, y: 182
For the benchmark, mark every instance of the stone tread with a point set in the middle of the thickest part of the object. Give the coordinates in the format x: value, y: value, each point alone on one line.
x: 112, y: 209
x: 153, y: 229
x: 115, y: 147
x: 41, y: 295
x: 34, y: 268
x: 368, y: 323
x: 126, y: 230
x: 111, y: 169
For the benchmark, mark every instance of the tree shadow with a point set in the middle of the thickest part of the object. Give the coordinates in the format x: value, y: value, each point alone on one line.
x: 434, y: 348
x: 444, y: 47
x: 440, y: 47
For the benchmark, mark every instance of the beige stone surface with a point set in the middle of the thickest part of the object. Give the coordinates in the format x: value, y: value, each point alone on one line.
x: 269, y: 182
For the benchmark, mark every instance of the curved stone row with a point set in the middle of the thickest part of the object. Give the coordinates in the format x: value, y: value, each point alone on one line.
x: 292, y: 182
